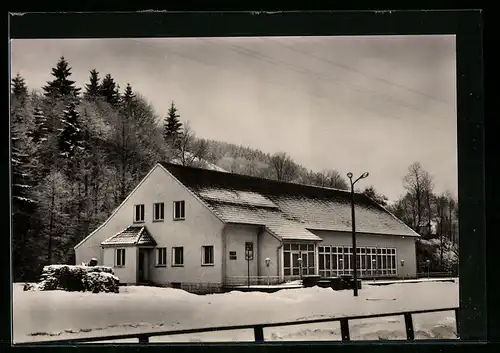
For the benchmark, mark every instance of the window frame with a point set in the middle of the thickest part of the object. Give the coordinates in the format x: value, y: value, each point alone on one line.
x: 143, y: 213
x: 183, y: 203
x: 161, y: 205
x: 157, y: 262
x: 203, y: 249
x: 174, y: 258
x: 118, y: 263
x: 233, y: 254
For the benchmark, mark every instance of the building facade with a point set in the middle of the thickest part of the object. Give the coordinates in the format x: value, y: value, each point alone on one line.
x: 201, y: 230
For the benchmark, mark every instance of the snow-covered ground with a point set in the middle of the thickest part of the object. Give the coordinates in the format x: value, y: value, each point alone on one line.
x: 52, y: 315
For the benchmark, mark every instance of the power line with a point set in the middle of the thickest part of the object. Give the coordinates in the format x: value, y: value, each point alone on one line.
x: 348, y: 68
x: 314, y: 95
x: 288, y: 87
x: 320, y: 76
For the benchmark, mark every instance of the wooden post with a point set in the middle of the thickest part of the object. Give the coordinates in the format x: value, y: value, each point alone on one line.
x: 410, y: 334
x: 344, y: 330
x: 258, y: 333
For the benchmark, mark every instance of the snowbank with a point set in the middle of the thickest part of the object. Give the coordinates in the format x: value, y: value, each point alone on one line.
x: 60, y: 314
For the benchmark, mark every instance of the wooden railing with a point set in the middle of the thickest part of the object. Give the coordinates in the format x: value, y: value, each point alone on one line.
x: 258, y: 329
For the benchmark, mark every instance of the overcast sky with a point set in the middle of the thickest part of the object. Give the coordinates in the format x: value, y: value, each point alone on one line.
x: 357, y: 104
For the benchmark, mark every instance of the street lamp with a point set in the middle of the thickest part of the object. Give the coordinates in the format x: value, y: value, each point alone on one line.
x: 374, y: 270
x: 268, y: 261
x: 341, y: 263
x: 354, y: 249
x: 428, y: 262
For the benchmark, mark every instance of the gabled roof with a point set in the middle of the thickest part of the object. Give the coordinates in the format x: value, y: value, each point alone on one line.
x: 133, y: 235
x: 289, y: 210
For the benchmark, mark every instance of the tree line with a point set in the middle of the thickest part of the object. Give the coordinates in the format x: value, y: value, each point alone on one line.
x: 434, y: 216
x: 77, y: 153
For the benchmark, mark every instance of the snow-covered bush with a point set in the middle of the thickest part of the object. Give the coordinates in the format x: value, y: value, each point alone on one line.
x: 100, y: 282
x: 78, y: 278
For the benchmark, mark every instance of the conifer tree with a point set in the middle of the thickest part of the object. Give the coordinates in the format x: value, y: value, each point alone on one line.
x: 41, y: 127
x: 70, y: 136
x: 61, y: 86
x: 172, y: 124
x: 110, y: 90
x: 93, y: 88
x: 19, y: 89
x: 128, y: 96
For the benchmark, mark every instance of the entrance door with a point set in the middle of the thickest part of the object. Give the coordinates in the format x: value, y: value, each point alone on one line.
x: 141, y: 266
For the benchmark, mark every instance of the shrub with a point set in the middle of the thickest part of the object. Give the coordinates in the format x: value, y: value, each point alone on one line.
x: 78, y: 278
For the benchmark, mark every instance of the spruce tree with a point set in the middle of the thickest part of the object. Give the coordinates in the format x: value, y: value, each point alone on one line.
x: 172, y: 125
x: 61, y: 86
x: 70, y: 136
x: 128, y: 96
x: 41, y: 127
x: 93, y: 88
x: 110, y: 90
x: 19, y: 89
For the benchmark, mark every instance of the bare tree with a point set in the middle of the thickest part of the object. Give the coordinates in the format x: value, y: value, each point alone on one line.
x: 374, y: 195
x: 419, y: 185
x: 189, y: 150
x: 283, y: 166
x: 251, y: 168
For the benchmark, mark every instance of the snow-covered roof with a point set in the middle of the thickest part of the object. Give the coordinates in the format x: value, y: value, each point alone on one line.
x: 132, y: 235
x: 289, y: 210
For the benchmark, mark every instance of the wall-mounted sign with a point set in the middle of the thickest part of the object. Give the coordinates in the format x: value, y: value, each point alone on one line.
x: 248, y: 250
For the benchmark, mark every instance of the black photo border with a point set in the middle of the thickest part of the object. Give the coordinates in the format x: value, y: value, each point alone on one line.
x: 465, y: 24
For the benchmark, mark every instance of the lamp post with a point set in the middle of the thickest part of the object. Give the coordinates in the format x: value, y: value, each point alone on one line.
x: 300, y: 265
x: 341, y: 263
x: 353, y: 221
x: 374, y: 270
x: 428, y: 263
x: 268, y: 261
x: 403, y: 265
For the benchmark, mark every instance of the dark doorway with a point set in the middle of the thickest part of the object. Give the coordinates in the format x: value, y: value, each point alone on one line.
x: 142, y: 276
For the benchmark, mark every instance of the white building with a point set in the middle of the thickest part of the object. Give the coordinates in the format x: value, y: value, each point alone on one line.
x: 189, y: 227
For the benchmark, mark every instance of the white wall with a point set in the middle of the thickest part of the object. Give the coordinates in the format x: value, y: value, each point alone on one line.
x: 236, y: 236
x: 199, y: 228
x: 268, y: 248
x: 405, y: 246
x: 128, y: 273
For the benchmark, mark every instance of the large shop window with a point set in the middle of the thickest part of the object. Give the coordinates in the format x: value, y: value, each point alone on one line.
x: 291, y: 263
x: 336, y: 261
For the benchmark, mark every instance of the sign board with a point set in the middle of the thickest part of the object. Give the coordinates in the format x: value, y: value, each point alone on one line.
x: 248, y: 250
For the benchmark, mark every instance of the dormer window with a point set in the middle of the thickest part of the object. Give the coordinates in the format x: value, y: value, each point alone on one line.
x: 139, y: 213
x: 179, y: 210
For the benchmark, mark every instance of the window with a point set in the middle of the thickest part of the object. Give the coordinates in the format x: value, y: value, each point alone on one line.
x: 178, y: 256
x: 161, y: 257
x: 179, y: 210
x: 158, y: 211
x: 120, y: 257
x: 335, y: 261
x: 207, y: 253
x: 232, y: 255
x: 139, y: 214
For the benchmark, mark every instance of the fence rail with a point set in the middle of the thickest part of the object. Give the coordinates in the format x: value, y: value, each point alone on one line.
x: 258, y: 329
x: 273, y: 280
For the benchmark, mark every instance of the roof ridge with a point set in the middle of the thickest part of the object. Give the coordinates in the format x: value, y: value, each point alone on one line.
x: 256, y: 178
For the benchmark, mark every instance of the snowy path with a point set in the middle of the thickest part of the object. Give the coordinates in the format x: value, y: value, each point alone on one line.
x: 59, y: 315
